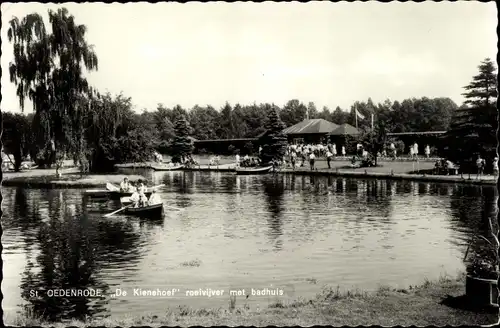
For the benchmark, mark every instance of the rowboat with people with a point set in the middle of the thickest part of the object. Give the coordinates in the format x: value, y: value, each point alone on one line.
x: 253, y: 170
x: 140, y: 205
x: 151, y: 211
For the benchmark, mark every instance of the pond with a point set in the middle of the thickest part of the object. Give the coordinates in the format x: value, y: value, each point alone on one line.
x: 289, y: 234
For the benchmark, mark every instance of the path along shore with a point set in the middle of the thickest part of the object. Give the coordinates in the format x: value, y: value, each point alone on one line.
x: 400, y: 170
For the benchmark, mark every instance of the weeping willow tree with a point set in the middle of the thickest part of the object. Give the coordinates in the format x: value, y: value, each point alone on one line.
x: 113, y: 133
x: 47, y: 69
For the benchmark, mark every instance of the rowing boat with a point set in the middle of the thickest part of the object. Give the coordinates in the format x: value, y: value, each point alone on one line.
x: 253, y: 170
x: 155, y: 210
x: 166, y: 167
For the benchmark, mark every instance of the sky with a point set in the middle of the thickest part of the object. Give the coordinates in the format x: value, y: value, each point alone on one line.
x: 330, y: 53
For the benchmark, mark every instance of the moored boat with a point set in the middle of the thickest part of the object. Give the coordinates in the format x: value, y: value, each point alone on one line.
x: 166, y: 167
x: 153, y: 211
x: 111, y: 194
x: 253, y: 170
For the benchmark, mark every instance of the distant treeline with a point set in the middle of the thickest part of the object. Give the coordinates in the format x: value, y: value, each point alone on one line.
x: 108, y: 122
x: 248, y: 121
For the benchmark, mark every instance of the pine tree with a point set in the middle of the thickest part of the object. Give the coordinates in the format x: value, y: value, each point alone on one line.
x: 274, y: 141
x: 473, y: 127
x: 182, y: 145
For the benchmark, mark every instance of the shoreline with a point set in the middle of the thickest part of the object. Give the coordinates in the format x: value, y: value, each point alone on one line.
x: 440, y: 302
x: 69, y: 180
x: 394, y: 176
x: 73, y: 180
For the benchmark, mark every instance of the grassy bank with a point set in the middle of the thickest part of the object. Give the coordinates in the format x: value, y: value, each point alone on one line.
x: 434, y: 303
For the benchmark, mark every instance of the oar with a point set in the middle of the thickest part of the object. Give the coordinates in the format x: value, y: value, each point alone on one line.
x: 121, y: 209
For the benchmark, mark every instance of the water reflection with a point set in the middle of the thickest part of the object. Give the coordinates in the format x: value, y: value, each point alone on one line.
x: 273, y: 191
x: 66, y: 248
x: 473, y: 208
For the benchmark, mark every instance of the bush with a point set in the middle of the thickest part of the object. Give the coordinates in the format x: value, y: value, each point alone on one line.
x: 400, y: 147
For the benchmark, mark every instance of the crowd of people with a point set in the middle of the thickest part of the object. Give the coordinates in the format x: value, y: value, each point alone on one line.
x: 298, y: 154
x: 138, y: 191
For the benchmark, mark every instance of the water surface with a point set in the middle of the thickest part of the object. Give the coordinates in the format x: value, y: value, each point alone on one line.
x: 294, y: 233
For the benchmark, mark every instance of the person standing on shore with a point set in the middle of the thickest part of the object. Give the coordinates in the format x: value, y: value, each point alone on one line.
x: 480, y: 166
x: 237, y: 160
x: 359, y: 149
x: 495, y: 166
x: 427, y: 151
x: 393, y: 150
x: 343, y: 151
x: 412, y: 152
x: 329, y: 157
x: 334, y: 150
x: 415, y: 150
x: 311, y: 160
x: 293, y: 157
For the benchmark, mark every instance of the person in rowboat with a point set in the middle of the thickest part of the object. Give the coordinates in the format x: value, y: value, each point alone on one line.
x: 154, y: 198
x: 132, y: 188
x: 141, y: 189
x: 143, y: 199
x: 135, y: 198
x: 125, y: 185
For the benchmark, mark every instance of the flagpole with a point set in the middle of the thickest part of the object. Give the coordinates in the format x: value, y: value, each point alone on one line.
x: 356, y: 115
x: 372, y: 121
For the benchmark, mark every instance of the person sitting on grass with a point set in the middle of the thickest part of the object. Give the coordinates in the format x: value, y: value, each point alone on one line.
x: 354, y: 163
x: 154, y: 198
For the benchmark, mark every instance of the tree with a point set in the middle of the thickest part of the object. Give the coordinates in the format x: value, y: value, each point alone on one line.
x: 47, y: 68
x: 226, y: 127
x: 274, y: 141
x: 165, y: 128
x: 473, y: 127
x: 340, y: 116
x: 249, y: 148
x: 312, y: 111
x: 374, y: 141
x: 115, y: 134
x: 254, y: 118
x: 203, y: 121
x: 325, y: 114
x: 293, y: 112
x: 16, y: 137
x: 182, y: 144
